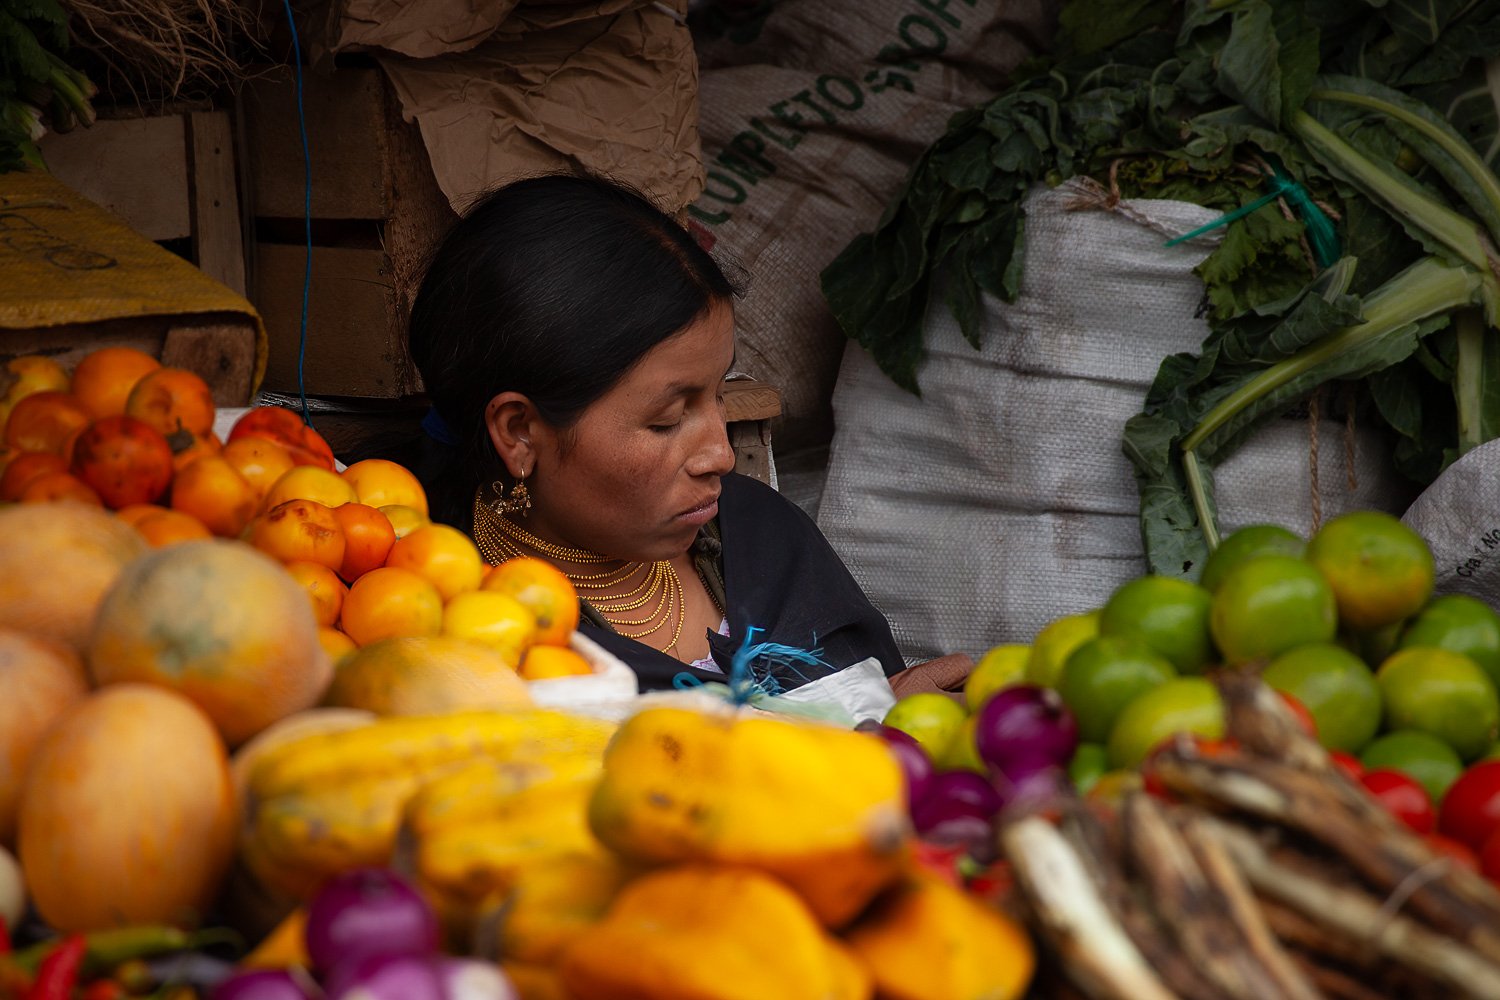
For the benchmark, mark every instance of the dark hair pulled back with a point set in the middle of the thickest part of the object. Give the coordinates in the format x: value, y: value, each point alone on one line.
x: 552, y: 287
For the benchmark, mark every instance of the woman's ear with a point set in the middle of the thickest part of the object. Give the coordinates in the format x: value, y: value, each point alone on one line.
x: 511, y: 419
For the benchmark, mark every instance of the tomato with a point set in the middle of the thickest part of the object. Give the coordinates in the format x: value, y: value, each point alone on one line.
x: 1402, y: 797
x: 1300, y: 712
x: 124, y: 460
x: 1450, y: 848
x: 25, y: 467
x: 173, y: 400
x: 1348, y: 763
x: 1471, y: 809
x: 1489, y: 858
x: 305, y: 445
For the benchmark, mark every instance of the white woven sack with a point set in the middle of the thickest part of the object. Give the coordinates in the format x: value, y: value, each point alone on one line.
x: 1000, y: 499
x: 1459, y: 516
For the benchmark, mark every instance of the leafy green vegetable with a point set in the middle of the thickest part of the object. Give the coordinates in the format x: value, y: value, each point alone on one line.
x: 33, y: 75
x: 1202, y: 103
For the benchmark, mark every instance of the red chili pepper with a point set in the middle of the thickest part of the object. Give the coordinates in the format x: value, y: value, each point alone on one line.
x: 4, y: 937
x: 59, y: 970
x: 104, y: 989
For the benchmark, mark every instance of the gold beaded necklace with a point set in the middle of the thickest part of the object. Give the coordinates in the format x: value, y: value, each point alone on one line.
x: 499, y: 538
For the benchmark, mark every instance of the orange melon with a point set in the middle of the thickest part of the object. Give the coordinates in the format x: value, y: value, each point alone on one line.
x: 220, y: 623
x: 127, y: 814
x: 56, y: 562
x: 41, y: 680
x: 423, y: 675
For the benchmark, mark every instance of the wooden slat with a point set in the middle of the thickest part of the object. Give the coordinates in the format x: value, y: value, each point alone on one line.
x: 217, y: 239
x: 135, y: 168
x: 747, y: 399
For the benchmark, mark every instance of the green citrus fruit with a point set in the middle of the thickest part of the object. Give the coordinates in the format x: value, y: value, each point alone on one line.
x: 1105, y: 674
x: 1462, y: 624
x: 1420, y: 756
x: 1088, y: 765
x: 1169, y: 615
x: 1337, y: 688
x: 961, y: 752
x: 929, y: 718
x: 1268, y: 605
x: 1181, y: 705
x: 999, y: 668
x: 1247, y: 543
x: 1050, y: 648
x: 1381, y: 571
x: 1442, y: 693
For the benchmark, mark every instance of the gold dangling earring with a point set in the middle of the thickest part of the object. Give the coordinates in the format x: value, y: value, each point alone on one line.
x: 519, y: 501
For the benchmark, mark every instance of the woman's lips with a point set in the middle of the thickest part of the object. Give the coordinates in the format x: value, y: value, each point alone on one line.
x: 702, y: 514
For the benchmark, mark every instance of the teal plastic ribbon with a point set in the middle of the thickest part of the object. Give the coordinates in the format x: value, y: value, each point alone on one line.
x: 1321, y: 234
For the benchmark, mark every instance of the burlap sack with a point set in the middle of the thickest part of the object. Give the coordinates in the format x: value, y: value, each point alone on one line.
x: 1000, y: 499
x: 810, y: 118
x: 1459, y: 516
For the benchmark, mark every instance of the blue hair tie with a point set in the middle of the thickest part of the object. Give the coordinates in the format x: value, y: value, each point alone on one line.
x: 437, y: 428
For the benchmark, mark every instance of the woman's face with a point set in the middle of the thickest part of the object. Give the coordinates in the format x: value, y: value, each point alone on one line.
x: 638, y: 474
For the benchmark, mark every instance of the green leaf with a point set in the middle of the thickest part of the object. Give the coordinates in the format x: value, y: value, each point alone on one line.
x: 1091, y: 26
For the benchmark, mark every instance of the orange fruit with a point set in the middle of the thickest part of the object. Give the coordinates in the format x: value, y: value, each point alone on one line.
x: 54, y: 486
x: 219, y: 623
x: 310, y: 482
x: 25, y: 467
x: 168, y: 527
x: 134, y: 514
x: 403, y: 519
x: 442, y: 554
x: 425, y: 675
x: 103, y: 380
x: 324, y: 589
x: 45, y: 421
x: 26, y: 376
x: 545, y: 662
x: 336, y: 644
x: 197, y: 448
x: 261, y: 461
x: 498, y: 621
x: 173, y: 400
x: 123, y: 460
x: 210, y: 490
x: 378, y: 483
x: 387, y: 603
x: 368, y: 537
x: 299, y: 531
x: 1380, y: 570
x: 286, y: 428
x: 545, y: 590
x: 41, y: 679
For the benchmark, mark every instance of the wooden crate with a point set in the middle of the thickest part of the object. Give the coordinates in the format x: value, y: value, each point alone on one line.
x: 378, y: 212
x: 169, y: 177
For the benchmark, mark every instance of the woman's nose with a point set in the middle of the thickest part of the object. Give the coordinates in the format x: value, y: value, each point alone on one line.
x: 714, y: 456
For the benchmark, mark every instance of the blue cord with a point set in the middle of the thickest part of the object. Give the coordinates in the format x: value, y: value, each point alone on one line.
x: 306, y: 213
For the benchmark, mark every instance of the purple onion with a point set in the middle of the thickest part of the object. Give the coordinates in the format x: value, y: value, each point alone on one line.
x: 472, y: 979
x: 955, y: 795
x: 385, y: 977
x: 916, y: 766
x: 1031, y: 784
x: 365, y: 912
x: 261, y: 984
x: 1025, y: 721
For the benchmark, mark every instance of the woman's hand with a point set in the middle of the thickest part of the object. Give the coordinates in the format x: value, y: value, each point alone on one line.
x: 945, y: 675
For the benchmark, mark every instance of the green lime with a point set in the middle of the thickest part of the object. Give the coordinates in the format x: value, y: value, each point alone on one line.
x: 1105, y: 674
x: 1420, y: 756
x: 1050, y: 648
x: 1183, y: 704
x: 1493, y: 753
x: 1381, y: 571
x: 1462, y: 624
x: 1169, y: 615
x: 929, y: 718
x: 1088, y: 765
x: 1337, y: 688
x: 962, y: 753
x: 999, y: 668
x: 1442, y: 693
x: 1247, y: 543
x: 1268, y: 605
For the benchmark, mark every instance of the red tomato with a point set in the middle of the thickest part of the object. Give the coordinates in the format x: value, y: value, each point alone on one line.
x: 305, y: 445
x: 1348, y: 762
x: 1402, y: 797
x: 1489, y: 858
x: 1301, y: 713
x: 1471, y: 809
x: 1449, y: 847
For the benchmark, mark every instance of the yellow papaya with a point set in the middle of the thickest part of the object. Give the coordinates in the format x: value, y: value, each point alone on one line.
x: 698, y: 932
x: 535, y: 982
x: 284, y: 947
x: 821, y: 808
x: 551, y: 904
x: 926, y: 940
x: 477, y: 791
x: 423, y: 675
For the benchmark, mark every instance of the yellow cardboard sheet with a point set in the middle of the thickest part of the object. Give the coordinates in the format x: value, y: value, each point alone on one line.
x: 65, y: 260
